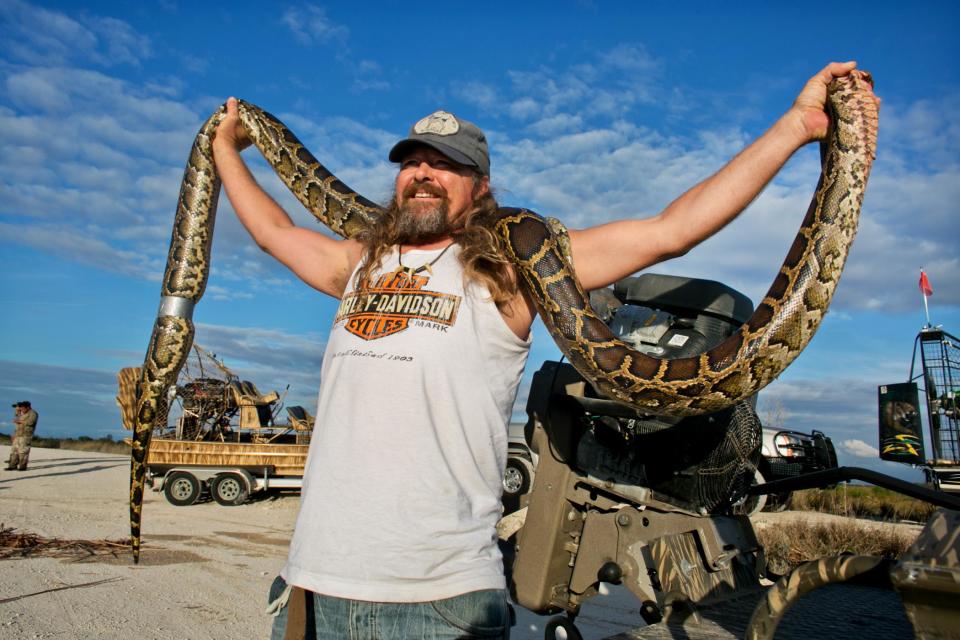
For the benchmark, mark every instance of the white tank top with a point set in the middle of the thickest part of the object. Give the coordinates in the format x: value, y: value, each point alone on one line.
x: 403, y: 482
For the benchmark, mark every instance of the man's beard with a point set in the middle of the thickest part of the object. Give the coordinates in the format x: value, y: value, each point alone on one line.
x: 423, y: 226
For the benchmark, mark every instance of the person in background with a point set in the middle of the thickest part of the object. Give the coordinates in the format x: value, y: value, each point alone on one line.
x: 25, y: 423
x: 13, y: 437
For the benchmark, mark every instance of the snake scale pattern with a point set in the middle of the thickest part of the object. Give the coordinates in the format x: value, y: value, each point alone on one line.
x: 777, y: 332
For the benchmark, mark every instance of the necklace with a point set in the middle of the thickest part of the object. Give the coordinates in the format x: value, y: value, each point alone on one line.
x: 410, y: 271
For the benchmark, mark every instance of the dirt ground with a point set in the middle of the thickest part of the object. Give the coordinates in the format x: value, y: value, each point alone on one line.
x: 204, y: 572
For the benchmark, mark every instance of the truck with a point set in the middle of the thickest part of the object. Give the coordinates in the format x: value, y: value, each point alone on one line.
x: 788, y: 454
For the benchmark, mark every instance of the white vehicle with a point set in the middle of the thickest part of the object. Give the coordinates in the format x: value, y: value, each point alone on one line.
x: 521, y: 462
x: 787, y: 454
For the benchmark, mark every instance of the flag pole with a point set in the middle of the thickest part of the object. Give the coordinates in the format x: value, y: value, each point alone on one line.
x: 925, y: 290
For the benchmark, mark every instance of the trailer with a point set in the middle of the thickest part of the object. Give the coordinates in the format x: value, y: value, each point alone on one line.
x: 185, y: 470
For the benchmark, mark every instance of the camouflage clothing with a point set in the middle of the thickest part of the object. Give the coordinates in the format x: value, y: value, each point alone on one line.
x: 22, y: 437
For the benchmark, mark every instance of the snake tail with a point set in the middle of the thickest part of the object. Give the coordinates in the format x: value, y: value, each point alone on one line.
x: 182, y: 287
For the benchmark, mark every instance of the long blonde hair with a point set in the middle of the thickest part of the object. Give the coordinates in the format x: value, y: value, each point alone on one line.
x: 480, y: 250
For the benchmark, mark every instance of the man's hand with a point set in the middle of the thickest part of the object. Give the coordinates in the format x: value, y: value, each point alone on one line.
x: 808, y: 109
x: 230, y: 131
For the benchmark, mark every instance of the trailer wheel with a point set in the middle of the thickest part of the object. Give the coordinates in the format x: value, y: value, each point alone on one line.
x: 181, y: 488
x: 229, y: 489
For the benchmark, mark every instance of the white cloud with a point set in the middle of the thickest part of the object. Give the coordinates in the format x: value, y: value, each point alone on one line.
x: 106, y: 174
x: 310, y: 25
x: 64, y: 397
x: 271, y: 358
x: 561, y: 123
x: 122, y: 43
x: 33, y: 90
x: 43, y: 37
x: 84, y: 249
x: 523, y: 108
x: 632, y: 57
x: 97, y: 183
x: 225, y: 293
x: 587, y: 165
x: 860, y: 449
x: 480, y: 94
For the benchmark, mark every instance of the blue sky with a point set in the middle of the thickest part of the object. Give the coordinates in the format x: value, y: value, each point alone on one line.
x: 595, y: 111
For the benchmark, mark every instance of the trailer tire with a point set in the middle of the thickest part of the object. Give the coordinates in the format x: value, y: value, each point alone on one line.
x: 229, y: 489
x: 181, y: 488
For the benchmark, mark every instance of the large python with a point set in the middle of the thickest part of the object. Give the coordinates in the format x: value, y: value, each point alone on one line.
x: 777, y: 332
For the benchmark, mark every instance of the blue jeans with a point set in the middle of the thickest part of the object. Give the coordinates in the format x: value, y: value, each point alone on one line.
x: 478, y: 614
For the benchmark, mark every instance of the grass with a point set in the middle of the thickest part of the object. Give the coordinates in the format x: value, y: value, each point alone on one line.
x: 794, y: 542
x: 83, y: 443
x: 862, y: 502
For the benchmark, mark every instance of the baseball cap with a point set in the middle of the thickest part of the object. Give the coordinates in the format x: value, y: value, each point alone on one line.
x: 460, y: 140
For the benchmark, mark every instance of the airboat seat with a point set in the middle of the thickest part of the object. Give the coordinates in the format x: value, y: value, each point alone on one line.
x: 254, y: 408
x: 127, y: 380
x: 250, y: 390
x: 300, y: 418
x: 238, y: 393
x: 247, y: 394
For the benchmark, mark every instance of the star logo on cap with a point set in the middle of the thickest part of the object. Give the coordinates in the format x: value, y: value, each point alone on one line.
x: 440, y: 123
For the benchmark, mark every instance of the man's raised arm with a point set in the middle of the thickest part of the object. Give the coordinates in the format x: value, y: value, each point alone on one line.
x: 322, y: 262
x: 609, y: 252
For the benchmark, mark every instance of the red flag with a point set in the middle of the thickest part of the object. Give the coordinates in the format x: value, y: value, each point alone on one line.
x: 925, y: 284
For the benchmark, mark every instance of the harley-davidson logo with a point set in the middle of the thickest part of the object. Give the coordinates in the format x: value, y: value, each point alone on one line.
x: 388, y: 306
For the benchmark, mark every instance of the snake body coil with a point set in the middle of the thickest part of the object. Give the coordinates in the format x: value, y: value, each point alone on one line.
x: 777, y: 332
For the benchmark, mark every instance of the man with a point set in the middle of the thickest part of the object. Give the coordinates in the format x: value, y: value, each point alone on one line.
x: 395, y: 536
x: 25, y: 423
x: 13, y: 438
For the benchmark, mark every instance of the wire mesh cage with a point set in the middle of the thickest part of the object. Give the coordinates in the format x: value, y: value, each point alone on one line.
x: 940, y: 358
